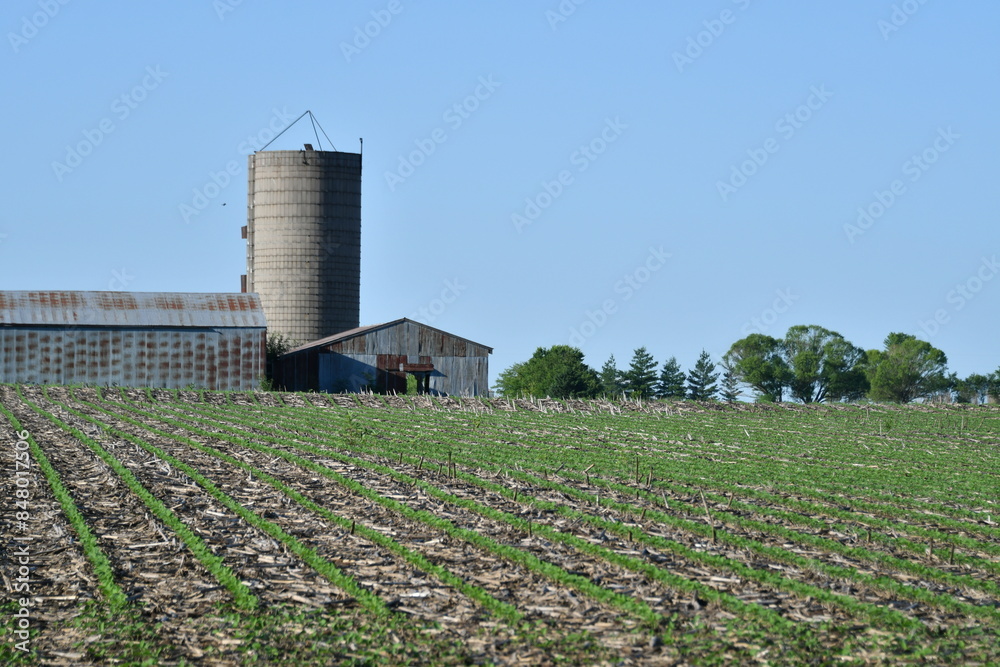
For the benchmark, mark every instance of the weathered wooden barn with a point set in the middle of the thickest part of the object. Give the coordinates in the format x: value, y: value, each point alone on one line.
x: 379, y: 357
x: 132, y: 339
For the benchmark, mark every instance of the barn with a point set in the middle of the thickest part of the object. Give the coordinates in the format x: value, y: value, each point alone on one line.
x: 381, y: 356
x: 133, y: 339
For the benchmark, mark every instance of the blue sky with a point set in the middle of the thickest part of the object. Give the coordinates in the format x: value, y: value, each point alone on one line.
x: 609, y: 175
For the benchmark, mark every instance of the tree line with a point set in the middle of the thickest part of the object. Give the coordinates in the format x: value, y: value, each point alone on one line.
x: 810, y: 364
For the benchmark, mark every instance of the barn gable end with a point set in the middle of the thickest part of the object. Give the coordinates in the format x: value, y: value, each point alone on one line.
x: 381, y: 356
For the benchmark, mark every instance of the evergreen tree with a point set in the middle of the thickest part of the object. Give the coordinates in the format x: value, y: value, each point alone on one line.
x: 701, y: 379
x: 671, y: 382
x: 610, y: 378
x: 640, y: 377
x: 730, y: 384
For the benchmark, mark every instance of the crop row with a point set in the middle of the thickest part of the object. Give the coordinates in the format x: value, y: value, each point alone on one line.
x: 833, y: 571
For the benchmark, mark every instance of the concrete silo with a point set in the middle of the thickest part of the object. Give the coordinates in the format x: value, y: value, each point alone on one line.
x: 304, y: 240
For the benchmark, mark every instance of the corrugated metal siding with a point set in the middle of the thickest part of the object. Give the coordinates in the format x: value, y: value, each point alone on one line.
x: 131, y: 309
x: 339, y: 373
x: 460, y: 376
x: 219, y: 359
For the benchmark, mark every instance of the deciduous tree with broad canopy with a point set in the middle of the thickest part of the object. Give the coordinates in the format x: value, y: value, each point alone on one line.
x: 557, y: 371
x: 813, y: 363
x: 908, y: 368
x: 823, y: 365
x: 758, y: 362
x: 975, y: 388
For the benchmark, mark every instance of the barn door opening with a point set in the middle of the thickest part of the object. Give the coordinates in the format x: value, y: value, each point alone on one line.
x: 422, y: 372
x: 391, y: 376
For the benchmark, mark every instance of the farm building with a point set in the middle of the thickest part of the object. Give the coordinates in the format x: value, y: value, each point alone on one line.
x: 381, y: 356
x: 132, y: 339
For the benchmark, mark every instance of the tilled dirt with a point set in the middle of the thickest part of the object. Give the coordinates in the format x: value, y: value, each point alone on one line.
x: 479, y: 404
x: 398, y: 402
x: 294, y: 400
x: 860, y: 591
x: 662, y: 599
x: 342, y: 400
x: 688, y: 508
x: 125, y: 529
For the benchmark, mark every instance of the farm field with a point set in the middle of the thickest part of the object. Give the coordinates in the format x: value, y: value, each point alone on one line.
x: 254, y: 528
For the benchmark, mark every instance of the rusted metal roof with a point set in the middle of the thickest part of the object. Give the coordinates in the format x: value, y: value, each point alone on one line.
x: 360, y: 331
x: 131, y: 309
